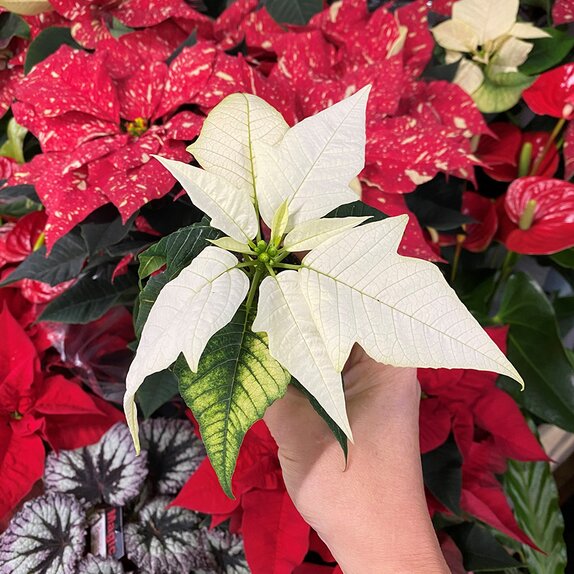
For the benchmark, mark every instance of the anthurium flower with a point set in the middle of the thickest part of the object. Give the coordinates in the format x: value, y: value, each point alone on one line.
x: 352, y: 287
x: 486, y: 31
x: 537, y: 216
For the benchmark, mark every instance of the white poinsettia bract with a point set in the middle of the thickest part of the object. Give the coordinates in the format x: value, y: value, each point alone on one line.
x: 351, y: 287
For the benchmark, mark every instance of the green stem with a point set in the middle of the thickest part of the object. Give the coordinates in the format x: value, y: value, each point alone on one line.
x: 246, y: 264
x: 555, y: 132
x: 507, y: 266
x: 254, y: 286
x: 281, y: 255
x: 457, y: 251
x: 287, y: 266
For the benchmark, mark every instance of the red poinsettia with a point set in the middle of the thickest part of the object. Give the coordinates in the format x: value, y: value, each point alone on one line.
x: 563, y: 12
x: 34, y: 409
x: 275, y: 535
x: 501, y: 152
x: 98, y: 134
x: 479, y: 235
x: 488, y: 428
x: 537, y: 216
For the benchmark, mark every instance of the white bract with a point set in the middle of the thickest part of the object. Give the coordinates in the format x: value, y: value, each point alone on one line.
x: 352, y: 286
x: 486, y: 31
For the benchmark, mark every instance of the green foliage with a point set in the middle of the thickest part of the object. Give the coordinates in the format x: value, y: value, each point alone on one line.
x: 64, y: 262
x: 548, y: 52
x: 90, y: 298
x: 294, y: 11
x: 237, y: 379
x: 156, y: 391
x: 535, y: 348
x: 358, y: 209
x: 532, y: 490
x: 500, y: 91
x: 46, y: 43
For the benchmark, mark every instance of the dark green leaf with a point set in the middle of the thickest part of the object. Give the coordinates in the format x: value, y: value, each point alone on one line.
x: 535, y: 349
x: 191, y: 40
x: 12, y: 25
x: 358, y: 209
x: 17, y: 192
x: 157, y: 390
x: 564, y: 309
x: 480, y: 550
x: 19, y: 207
x: 531, y: 487
x: 98, y: 236
x: 564, y: 258
x: 89, y: 298
x: 293, y: 11
x: 444, y: 72
x: 236, y: 380
x: 147, y: 298
x: 548, y: 52
x: 475, y: 289
x: 335, y: 428
x: 177, y: 250
x: 64, y: 262
x: 442, y: 471
x: 46, y: 43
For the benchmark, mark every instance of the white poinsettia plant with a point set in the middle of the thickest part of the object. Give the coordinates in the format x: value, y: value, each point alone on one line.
x: 489, y: 44
x: 247, y: 315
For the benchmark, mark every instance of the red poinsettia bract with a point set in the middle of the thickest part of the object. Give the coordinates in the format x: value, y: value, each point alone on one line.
x: 537, y: 216
x: 35, y: 408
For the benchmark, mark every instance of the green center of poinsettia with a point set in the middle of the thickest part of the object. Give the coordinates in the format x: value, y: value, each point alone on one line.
x: 17, y: 416
x: 137, y: 128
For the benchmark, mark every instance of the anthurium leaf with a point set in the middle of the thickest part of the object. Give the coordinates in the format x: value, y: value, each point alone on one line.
x: 156, y: 390
x: 46, y: 43
x: 174, y: 453
x: 442, y: 472
x: 100, y: 565
x: 564, y: 258
x: 46, y: 537
x: 564, y: 309
x: 480, y: 550
x: 311, y: 234
x: 177, y: 250
x: 238, y: 120
x: 500, y: 91
x: 335, y: 429
x: 108, y: 471
x: 227, y: 551
x: 399, y: 309
x: 534, y: 346
x: 89, y: 298
x: 297, y: 12
x: 532, y: 490
x: 235, y: 382
x: 296, y: 343
x: 548, y: 52
x: 357, y: 209
x: 190, y: 309
x: 64, y: 262
x: 229, y: 207
x: 165, y: 540
x: 305, y: 167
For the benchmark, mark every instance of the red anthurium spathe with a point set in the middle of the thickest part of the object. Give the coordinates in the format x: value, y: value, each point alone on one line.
x: 34, y: 409
x: 501, y: 155
x: 552, y: 94
x: 537, y: 216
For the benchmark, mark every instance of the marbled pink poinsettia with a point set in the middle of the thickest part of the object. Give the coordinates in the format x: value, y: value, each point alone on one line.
x: 98, y: 134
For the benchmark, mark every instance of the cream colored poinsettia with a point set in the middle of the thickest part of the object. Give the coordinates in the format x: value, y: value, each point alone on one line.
x: 484, y: 36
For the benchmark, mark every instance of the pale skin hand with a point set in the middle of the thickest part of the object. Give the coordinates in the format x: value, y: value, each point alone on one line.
x: 373, y: 515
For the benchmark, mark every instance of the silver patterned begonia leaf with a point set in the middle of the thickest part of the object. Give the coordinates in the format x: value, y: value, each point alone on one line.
x: 100, y: 565
x: 47, y: 536
x: 166, y: 540
x: 174, y: 452
x: 108, y: 471
x: 227, y: 551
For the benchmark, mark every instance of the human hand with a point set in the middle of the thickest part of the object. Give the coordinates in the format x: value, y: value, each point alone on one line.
x: 373, y: 514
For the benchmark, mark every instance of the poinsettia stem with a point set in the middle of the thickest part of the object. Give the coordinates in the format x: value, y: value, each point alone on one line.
x: 505, y: 271
x: 457, y: 251
x: 287, y: 266
x: 260, y: 270
x: 555, y: 132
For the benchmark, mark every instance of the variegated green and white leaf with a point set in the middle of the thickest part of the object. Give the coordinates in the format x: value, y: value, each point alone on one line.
x: 225, y: 145
x: 188, y: 311
x: 314, y: 163
x: 400, y: 310
x: 296, y: 343
x: 229, y: 207
x: 236, y: 380
x: 488, y: 18
x: 106, y: 472
x: 311, y: 234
